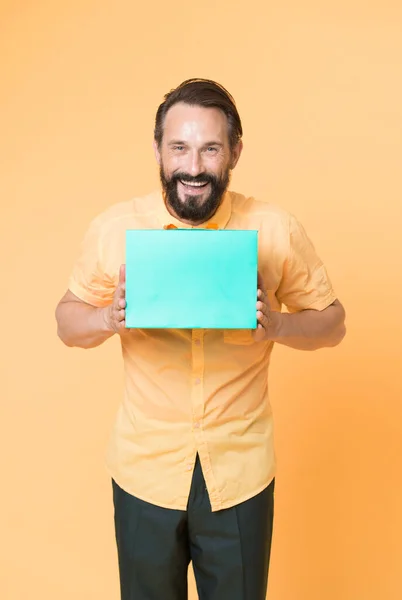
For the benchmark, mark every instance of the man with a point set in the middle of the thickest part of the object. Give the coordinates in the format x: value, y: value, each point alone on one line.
x: 191, y: 455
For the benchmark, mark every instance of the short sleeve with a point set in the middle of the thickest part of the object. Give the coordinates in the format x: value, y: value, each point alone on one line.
x: 305, y: 283
x: 88, y: 279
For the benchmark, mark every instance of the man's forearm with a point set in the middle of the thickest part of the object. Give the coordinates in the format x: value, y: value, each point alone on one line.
x: 82, y: 325
x: 309, y: 329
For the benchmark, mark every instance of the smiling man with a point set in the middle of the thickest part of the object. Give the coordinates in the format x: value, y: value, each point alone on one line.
x: 195, y: 158
x: 191, y: 454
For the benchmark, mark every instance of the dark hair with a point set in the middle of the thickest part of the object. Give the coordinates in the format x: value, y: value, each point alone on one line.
x: 201, y: 92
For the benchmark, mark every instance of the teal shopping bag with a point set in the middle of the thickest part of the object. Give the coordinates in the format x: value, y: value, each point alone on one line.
x: 191, y: 278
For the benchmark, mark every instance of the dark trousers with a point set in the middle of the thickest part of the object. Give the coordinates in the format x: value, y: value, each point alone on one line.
x: 229, y: 549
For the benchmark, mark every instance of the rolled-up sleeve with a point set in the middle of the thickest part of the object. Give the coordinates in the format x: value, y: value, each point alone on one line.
x: 305, y: 283
x: 88, y: 279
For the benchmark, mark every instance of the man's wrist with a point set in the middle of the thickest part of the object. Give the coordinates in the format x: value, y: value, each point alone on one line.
x: 276, y: 325
x: 105, y: 322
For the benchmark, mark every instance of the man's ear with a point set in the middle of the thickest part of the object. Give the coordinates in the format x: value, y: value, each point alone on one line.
x: 236, y: 152
x: 156, y: 152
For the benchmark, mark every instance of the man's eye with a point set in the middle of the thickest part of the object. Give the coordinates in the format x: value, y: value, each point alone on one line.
x: 211, y: 149
x: 178, y: 148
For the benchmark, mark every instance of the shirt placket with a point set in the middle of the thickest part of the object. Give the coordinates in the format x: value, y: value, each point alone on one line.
x: 198, y: 405
x: 197, y: 376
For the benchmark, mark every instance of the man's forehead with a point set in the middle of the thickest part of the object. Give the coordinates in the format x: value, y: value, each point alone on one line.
x: 189, y: 118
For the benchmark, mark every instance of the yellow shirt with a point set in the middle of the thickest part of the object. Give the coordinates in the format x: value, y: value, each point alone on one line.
x: 198, y: 391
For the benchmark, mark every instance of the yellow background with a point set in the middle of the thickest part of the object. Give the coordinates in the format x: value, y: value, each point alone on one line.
x: 318, y: 87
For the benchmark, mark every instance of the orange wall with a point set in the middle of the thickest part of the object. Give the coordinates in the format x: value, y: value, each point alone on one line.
x: 318, y: 86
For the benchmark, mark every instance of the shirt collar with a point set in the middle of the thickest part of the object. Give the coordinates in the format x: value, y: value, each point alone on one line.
x: 218, y: 221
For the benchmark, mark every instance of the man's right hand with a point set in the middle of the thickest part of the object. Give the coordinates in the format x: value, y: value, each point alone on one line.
x: 115, y: 313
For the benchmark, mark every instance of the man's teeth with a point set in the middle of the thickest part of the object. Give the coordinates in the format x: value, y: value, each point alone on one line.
x: 194, y: 184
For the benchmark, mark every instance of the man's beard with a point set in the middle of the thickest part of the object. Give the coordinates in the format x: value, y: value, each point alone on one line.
x: 192, y: 209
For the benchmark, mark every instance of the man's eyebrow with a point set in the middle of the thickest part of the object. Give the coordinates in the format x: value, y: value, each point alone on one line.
x: 181, y: 143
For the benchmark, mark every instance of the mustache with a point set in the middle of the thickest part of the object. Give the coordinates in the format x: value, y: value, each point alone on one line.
x: 202, y: 178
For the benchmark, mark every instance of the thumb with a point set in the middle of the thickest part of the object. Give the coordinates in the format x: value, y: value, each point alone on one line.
x: 122, y: 274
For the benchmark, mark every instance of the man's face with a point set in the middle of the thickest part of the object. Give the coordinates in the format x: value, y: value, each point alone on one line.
x: 195, y: 161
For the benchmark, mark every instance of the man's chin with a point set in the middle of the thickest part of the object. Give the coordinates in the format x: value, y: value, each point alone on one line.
x: 192, y: 209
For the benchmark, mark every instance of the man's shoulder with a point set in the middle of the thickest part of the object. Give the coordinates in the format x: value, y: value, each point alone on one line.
x: 135, y: 209
x: 250, y: 206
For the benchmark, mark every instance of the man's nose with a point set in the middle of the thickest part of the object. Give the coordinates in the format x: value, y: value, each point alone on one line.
x: 195, y: 164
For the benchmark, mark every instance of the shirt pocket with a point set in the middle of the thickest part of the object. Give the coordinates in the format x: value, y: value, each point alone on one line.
x: 239, y: 337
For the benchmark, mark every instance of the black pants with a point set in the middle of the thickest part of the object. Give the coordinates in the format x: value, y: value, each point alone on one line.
x: 229, y: 549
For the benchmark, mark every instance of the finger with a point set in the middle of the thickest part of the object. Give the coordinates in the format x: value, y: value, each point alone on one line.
x: 121, y: 303
x: 120, y: 292
x: 259, y: 333
x: 119, y: 315
x: 262, y: 319
x: 262, y: 306
x: 264, y: 299
x: 122, y: 274
x: 121, y: 327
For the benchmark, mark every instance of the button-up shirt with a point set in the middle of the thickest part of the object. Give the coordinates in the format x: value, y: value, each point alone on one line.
x: 204, y: 392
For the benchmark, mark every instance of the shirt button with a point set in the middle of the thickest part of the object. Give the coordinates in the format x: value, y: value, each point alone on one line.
x: 197, y: 381
x: 189, y: 467
x: 196, y: 425
x: 197, y: 342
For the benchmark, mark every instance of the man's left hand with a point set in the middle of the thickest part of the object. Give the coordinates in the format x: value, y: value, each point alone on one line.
x: 265, y: 316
